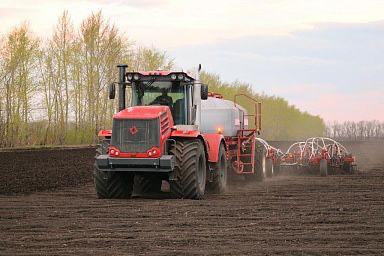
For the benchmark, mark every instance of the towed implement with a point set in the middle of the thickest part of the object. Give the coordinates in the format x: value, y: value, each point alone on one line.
x: 272, y: 158
x: 174, y: 131
x: 319, y: 154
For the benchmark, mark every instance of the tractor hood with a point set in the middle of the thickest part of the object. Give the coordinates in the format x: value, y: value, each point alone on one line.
x: 141, y: 112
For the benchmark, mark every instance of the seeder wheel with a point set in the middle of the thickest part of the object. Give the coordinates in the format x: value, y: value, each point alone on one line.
x: 323, y: 168
x: 268, y: 167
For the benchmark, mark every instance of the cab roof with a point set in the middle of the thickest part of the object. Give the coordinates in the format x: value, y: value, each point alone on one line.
x: 160, y: 73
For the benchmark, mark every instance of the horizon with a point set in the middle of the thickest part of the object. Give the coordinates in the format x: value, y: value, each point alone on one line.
x: 324, y: 58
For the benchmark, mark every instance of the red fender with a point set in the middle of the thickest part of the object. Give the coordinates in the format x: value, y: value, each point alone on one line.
x: 213, y: 141
x: 105, y: 133
x: 185, y: 134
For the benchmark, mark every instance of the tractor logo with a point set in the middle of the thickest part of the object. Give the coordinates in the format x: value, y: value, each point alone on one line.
x: 133, y: 130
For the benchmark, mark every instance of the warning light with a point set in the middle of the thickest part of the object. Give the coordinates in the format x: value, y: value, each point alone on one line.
x: 219, y: 130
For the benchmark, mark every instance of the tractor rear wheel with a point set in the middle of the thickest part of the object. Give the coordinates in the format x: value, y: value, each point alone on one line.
x: 219, y: 183
x: 109, y: 184
x: 146, y: 184
x: 323, y: 168
x: 190, y: 171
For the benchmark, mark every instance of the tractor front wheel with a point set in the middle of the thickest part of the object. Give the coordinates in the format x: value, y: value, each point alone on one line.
x: 144, y: 184
x: 113, y: 185
x: 190, y: 171
x: 109, y: 184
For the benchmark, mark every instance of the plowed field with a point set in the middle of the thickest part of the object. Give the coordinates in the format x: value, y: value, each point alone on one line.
x: 285, y: 215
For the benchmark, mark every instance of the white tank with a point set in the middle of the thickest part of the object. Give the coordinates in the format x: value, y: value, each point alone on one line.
x: 219, y: 115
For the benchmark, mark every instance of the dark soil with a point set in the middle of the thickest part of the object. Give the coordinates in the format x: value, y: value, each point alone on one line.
x: 285, y: 215
x: 29, y: 170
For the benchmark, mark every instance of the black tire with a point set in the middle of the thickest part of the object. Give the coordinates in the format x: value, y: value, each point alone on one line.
x: 146, y: 183
x: 323, y: 168
x: 190, y: 173
x: 276, y: 168
x: 111, y: 184
x: 347, y: 168
x: 268, y: 167
x: 260, y: 170
x: 220, y: 169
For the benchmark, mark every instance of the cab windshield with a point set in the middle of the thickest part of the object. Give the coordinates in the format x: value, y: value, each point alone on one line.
x: 165, y: 93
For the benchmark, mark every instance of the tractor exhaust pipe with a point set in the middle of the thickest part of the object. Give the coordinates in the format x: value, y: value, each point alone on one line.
x: 122, y: 85
x: 197, y: 97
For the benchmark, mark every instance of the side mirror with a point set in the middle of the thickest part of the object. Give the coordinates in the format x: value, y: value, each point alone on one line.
x: 112, y: 91
x: 204, y: 91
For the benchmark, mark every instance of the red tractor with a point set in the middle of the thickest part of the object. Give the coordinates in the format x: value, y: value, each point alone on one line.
x: 164, y: 135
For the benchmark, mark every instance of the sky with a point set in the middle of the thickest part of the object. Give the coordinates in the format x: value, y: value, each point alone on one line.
x: 324, y: 56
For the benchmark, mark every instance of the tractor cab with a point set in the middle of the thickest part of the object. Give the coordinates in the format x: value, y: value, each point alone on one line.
x: 177, y: 90
x: 171, y: 89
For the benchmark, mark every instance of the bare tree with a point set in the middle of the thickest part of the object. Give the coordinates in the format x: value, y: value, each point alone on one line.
x: 362, y: 130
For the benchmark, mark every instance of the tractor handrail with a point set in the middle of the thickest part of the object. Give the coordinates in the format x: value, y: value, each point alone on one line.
x: 257, y: 115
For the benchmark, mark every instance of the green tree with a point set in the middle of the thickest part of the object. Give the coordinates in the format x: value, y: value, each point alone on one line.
x: 19, y: 63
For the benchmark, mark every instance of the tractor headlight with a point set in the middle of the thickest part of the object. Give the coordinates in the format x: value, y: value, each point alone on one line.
x: 136, y: 77
x: 173, y: 76
x: 180, y: 77
x: 129, y: 77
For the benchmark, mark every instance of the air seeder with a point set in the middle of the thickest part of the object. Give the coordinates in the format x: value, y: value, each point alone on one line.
x: 174, y: 130
x: 319, y: 154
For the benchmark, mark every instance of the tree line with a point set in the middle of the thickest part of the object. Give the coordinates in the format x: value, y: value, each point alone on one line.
x: 362, y: 130
x: 54, y: 91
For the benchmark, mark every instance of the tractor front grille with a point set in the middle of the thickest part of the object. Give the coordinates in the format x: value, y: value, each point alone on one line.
x: 135, y: 135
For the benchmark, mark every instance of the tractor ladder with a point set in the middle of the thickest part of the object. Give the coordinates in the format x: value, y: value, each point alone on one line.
x: 246, y: 138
